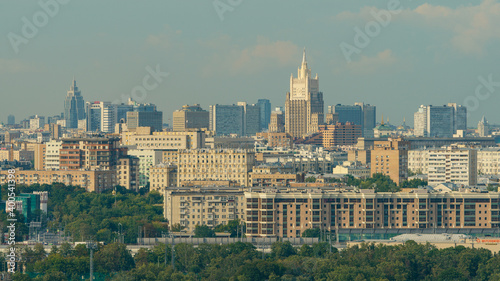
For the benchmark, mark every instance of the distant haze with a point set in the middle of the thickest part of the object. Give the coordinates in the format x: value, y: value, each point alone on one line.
x: 427, y: 53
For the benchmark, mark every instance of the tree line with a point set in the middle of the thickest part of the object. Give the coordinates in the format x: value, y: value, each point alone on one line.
x: 242, y: 261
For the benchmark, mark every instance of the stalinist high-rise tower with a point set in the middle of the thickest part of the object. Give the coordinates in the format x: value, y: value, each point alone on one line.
x: 304, y: 103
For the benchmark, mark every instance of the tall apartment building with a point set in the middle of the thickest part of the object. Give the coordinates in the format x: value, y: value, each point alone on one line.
x: 127, y: 172
x: 190, y: 117
x: 265, y: 113
x: 242, y: 119
x: 148, y: 158
x: 92, y: 181
x: 74, y: 107
x: 101, y: 117
x: 89, y: 153
x: 290, y: 213
x: 340, y: 134
x: 216, y: 164
x: 391, y: 158
x: 304, y: 104
x: 39, y: 156
x: 440, y: 121
x: 46, y: 155
x: 277, y: 122
x: 190, y: 207
x: 360, y: 114
x: 452, y: 165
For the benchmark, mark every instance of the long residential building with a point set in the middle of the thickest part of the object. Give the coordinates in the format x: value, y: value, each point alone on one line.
x: 288, y: 213
x: 216, y: 164
x: 92, y: 181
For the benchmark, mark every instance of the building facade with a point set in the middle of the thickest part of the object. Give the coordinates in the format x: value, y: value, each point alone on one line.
x: 241, y: 119
x: 162, y: 176
x: 153, y: 119
x: 340, y: 134
x: 216, y: 164
x: 290, y: 213
x: 148, y: 158
x: 391, y: 158
x: 440, y: 121
x: 452, y: 165
x: 92, y: 181
x: 190, y: 207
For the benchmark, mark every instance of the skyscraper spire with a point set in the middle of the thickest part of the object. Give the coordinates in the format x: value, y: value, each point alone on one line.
x: 304, y: 57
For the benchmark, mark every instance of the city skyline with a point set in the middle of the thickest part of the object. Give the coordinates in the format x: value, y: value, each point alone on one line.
x: 228, y: 60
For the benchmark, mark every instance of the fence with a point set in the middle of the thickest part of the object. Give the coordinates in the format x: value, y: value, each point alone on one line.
x: 226, y: 240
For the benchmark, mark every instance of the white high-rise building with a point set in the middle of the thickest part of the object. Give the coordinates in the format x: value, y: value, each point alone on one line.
x: 37, y: 122
x: 304, y: 104
x: 52, y: 149
x: 101, y: 117
x: 420, y: 122
x: 452, y: 165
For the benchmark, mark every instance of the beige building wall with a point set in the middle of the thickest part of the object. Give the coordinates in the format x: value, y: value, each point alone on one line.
x: 92, y: 181
x: 289, y: 214
x: 190, y: 207
x: 165, y: 140
x: 162, y: 176
x: 127, y: 173
x: 216, y: 164
x: 391, y: 158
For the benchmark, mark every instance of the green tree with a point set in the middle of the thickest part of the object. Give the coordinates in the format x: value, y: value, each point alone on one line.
x: 310, y: 179
x: 203, y: 231
x: 311, y: 232
x: 414, y: 183
x: 114, y: 258
x: 233, y: 227
x: 281, y: 250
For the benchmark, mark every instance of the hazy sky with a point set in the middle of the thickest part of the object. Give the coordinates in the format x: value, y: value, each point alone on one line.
x: 227, y: 51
